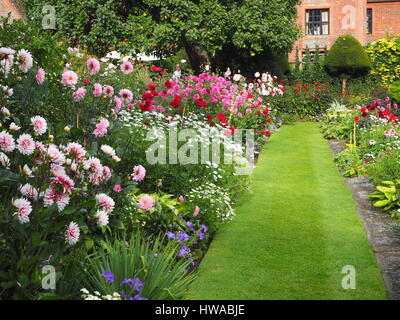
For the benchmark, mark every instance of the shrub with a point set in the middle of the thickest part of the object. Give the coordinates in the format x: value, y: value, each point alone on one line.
x: 384, y: 55
x: 385, y: 168
x: 347, y: 59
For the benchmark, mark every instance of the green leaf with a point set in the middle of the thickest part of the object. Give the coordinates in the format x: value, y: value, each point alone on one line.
x: 381, y: 203
x: 36, y: 239
x: 89, y: 244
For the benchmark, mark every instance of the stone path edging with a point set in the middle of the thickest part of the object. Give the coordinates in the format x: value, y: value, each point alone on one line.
x: 383, y: 237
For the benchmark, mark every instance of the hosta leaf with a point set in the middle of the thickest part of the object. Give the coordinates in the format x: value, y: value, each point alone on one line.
x: 386, y: 189
x: 381, y: 203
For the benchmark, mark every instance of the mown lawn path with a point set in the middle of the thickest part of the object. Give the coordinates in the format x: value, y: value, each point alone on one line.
x: 295, y: 229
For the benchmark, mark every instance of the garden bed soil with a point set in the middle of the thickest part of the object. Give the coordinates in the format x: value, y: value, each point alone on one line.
x: 382, y: 234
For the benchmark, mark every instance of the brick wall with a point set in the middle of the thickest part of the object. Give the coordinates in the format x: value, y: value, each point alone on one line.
x: 7, y: 6
x: 348, y: 17
x: 385, y: 19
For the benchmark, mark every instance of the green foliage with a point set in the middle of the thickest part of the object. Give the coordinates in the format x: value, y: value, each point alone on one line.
x: 394, y: 90
x: 385, y: 167
x: 312, y: 68
x: 165, y: 27
x: 163, y: 273
x: 350, y: 163
x: 387, y: 196
x: 384, y: 55
x: 347, y: 58
x: 46, y: 48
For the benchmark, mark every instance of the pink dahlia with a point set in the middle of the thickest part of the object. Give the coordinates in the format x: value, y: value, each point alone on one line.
x: 25, y: 144
x: 106, y: 202
x: 98, y: 89
x: 106, y: 173
x: 126, y: 95
x: 95, y: 169
x: 145, y: 203
x: 24, y: 209
x: 40, y: 76
x: 62, y: 184
x: 79, y: 94
x: 93, y: 66
x: 108, y: 91
x: 52, y: 196
x: 29, y: 191
x: 69, y: 78
x: 139, y: 172
x: 72, y: 233
x: 117, y: 188
x: 101, y: 128
x: 7, y: 143
x: 55, y: 155
x: 75, y: 151
x: 118, y: 104
x: 39, y: 125
x: 25, y: 61
x: 126, y: 67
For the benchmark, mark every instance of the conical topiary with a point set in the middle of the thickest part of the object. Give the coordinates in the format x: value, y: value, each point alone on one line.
x: 347, y: 59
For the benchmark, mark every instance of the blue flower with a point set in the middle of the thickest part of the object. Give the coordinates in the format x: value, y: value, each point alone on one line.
x: 200, y: 234
x: 135, y: 284
x: 171, y: 235
x: 204, y: 227
x: 189, y: 224
x: 184, y: 251
x: 108, y: 275
x: 182, y: 236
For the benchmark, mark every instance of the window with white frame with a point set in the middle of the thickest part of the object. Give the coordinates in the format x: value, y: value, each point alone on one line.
x: 317, y: 22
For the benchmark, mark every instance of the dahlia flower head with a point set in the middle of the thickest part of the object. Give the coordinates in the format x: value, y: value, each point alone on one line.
x: 25, y: 60
x: 101, y: 127
x: 126, y: 67
x: 24, y: 209
x: 40, y: 75
x: 79, y: 94
x: 39, y: 125
x: 72, y: 233
x: 69, y: 78
x: 139, y: 173
x: 105, y: 202
x: 93, y: 66
x: 145, y: 202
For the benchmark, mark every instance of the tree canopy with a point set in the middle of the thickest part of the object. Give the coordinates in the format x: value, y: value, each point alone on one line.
x: 201, y: 27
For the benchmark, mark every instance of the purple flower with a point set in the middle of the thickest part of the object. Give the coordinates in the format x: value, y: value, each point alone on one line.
x: 189, y: 224
x: 171, y: 235
x: 184, y: 251
x: 108, y: 275
x: 135, y: 284
x: 182, y: 236
x: 204, y: 227
x: 200, y: 234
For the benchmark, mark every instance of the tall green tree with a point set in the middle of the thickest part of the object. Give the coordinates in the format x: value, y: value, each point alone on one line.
x: 201, y: 27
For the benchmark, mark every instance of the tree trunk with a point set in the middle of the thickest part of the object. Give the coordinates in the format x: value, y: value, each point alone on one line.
x: 344, y: 82
x: 198, y: 57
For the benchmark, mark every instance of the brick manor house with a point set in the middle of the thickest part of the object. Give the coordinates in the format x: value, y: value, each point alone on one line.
x: 322, y: 21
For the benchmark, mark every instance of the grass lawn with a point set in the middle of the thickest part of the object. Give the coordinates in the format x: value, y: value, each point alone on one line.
x: 294, y: 231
